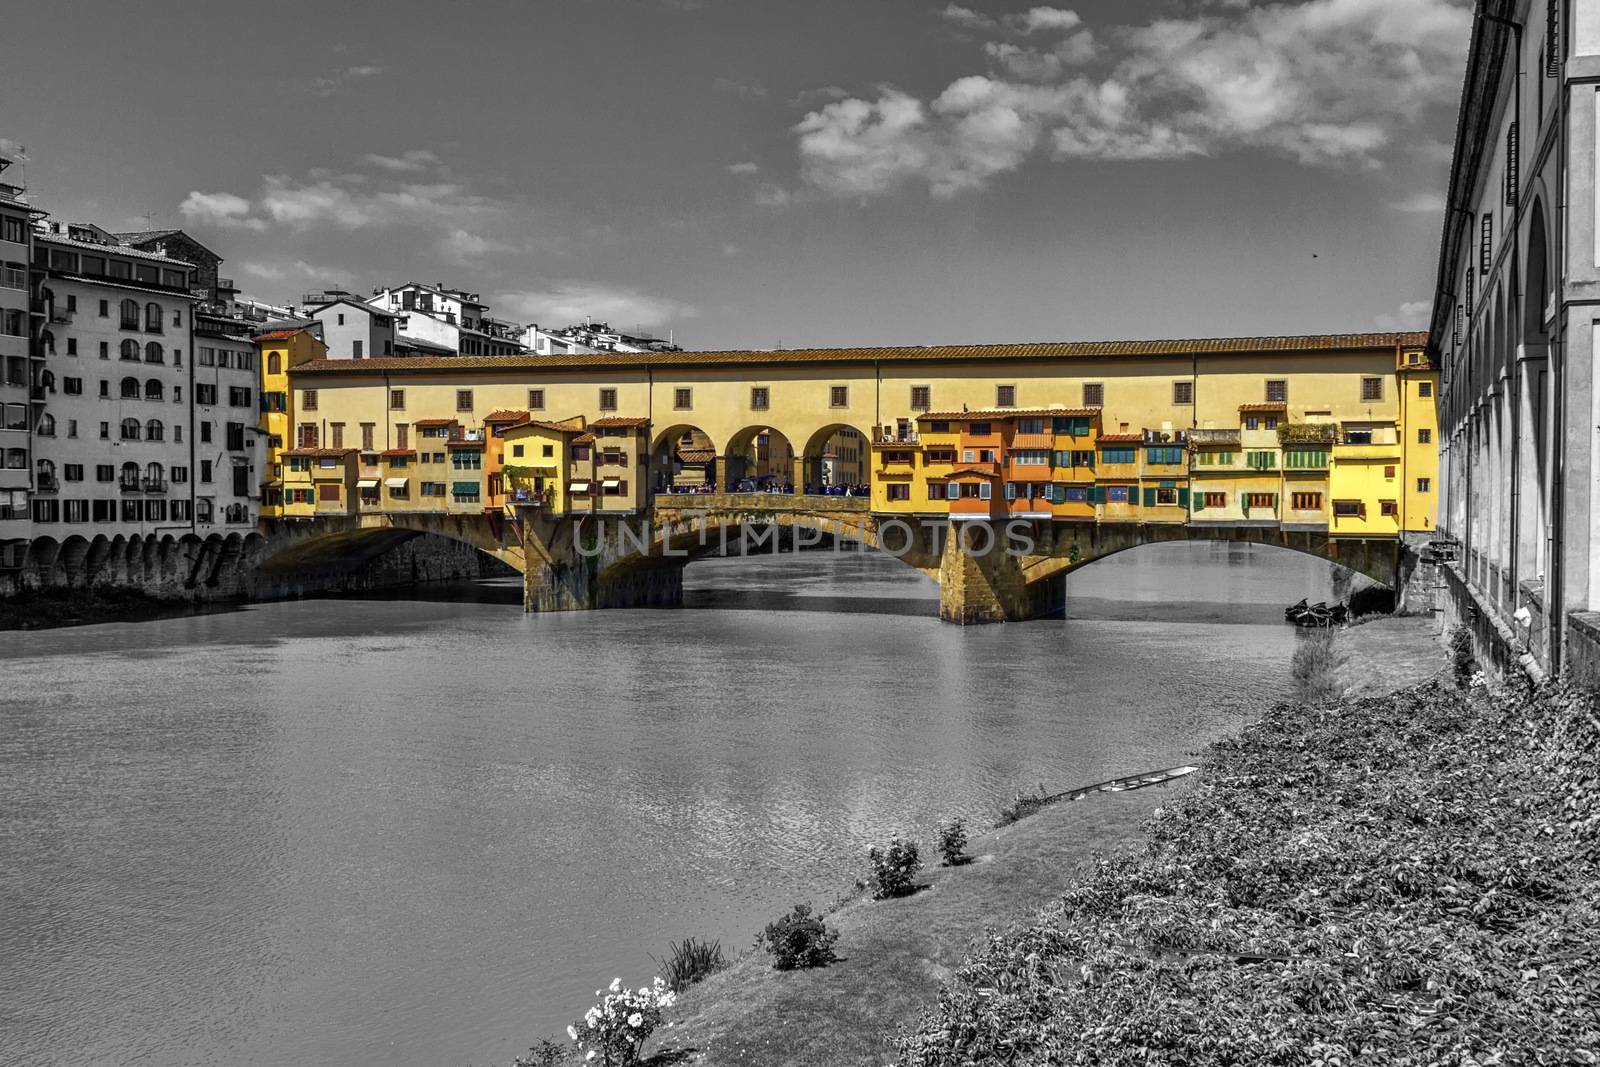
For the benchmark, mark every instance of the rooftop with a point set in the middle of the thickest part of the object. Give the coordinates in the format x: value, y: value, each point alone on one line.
x: 1046, y: 350
x: 1011, y: 413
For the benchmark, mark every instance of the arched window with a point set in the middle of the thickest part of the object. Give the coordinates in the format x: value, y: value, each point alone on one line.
x: 130, y: 429
x: 48, y: 340
x: 152, y: 389
x: 153, y: 353
x: 130, y: 475
x: 47, y: 381
x: 152, y: 317
x: 274, y: 363
x: 129, y: 350
x: 130, y: 314
x: 153, y: 472
x: 154, y: 431
x: 47, y: 474
x: 130, y: 389
x: 47, y: 425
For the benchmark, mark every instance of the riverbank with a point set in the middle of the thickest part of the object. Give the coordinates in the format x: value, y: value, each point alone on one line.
x: 1025, y: 990
x: 44, y: 609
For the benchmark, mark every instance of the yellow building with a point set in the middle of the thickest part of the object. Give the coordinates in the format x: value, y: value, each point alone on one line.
x: 1419, y: 430
x: 1312, y: 433
x: 280, y: 352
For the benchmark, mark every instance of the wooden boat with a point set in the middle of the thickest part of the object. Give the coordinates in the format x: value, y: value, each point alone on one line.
x: 1126, y: 783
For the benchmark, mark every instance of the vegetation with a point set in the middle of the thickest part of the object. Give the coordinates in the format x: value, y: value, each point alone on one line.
x: 1462, y: 663
x: 894, y: 869
x: 1406, y: 879
x: 689, y: 961
x: 799, y: 940
x: 611, y: 1033
x: 545, y: 1054
x: 1021, y: 806
x: 1314, y: 666
x: 953, y: 842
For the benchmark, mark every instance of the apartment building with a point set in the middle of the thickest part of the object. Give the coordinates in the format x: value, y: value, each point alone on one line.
x: 19, y: 321
x: 352, y: 328
x: 443, y: 320
x: 112, y: 452
x: 590, y: 337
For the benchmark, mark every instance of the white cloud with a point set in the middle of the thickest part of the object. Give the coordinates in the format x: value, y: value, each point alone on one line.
x: 743, y: 168
x: 332, y: 82
x: 223, y: 210
x: 1428, y: 202
x: 417, y: 159
x: 278, y: 271
x: 770, y: 194
x: 1411, y: 315
x: 565, y: 302
x: 746, y: 90
x: 460, y: 246
x: 1324, y: 82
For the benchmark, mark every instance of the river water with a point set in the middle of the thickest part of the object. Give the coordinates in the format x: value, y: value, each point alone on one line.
x: 422, y: 829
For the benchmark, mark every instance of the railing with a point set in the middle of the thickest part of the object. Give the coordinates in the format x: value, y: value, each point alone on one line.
x: 884, y: 437
x: 128, y: 485
x: 60, y: 315
x: 154, y: 485
x: 46, y: 483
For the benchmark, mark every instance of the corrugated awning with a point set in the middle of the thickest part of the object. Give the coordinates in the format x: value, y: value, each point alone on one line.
x: 372, y: 483
x: 611, y: 483
x: 579, y: 487
x: 396, y: 483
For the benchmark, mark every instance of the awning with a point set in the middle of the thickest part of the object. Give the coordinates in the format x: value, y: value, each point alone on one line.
x: 578, y: 487
x: 372, y: 483
x: 396, y: 483
x: 611, y: 483
x: 465, y: 488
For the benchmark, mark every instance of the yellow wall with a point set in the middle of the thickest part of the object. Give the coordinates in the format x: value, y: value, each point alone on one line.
x: 278, y: 426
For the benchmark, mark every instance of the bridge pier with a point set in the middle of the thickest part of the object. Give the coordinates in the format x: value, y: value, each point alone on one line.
x: 580, y: 585
x: 980, y: 581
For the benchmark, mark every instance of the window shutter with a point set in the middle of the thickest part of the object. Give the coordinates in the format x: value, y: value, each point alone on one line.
x: 1183, y: 498
x: 1149, y: 496
x: 1552, y: 40
x: 1486, y: 245
x: 1511, y: 165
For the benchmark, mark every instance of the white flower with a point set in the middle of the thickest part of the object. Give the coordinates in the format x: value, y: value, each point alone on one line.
x: 636, y: 1020
x: 616, y: 984
x: 572, y: 1032
x: 592, y: 1017
x: 592, y: 1054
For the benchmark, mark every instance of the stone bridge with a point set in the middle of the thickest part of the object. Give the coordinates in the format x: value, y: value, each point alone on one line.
x: 986, y: 573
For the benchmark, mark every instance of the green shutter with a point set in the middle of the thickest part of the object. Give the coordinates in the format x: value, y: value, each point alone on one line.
x: 1150, y: 496
x: 1183, y: 498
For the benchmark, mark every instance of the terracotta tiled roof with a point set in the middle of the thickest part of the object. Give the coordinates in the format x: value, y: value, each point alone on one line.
x: 558, y: 427
x: 991, y: 414
x: 1270, y: 406
x: 1122, y: 438
x: 583, y: 439
x: 506, y: 415
x: 284, y: 335
x: 396, y: 452
x: 1049, y: 350
x: 618, y: 420
x: 318, y: 453
x: 431, y: 423
x: 696, y: 455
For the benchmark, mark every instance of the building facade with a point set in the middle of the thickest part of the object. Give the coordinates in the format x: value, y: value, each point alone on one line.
x: 452, y: 320
x: 1515, y: 332
x: 353, y: 329
x: 21, y: 360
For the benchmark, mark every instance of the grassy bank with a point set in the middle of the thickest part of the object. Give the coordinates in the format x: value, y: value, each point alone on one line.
x: 1407, y: 878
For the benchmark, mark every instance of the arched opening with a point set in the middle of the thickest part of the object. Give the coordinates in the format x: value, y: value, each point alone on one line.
x: 836, y: 461
x: 153, y: 389
x: 130, y: 389
x: 128, y: 351
x: 1535, y: 444
x: 759, y: 459
x: 152, y: 317
x: 130, y: 429
x: 153, y: 353
x: 129, y: 315
x: 683, y: 460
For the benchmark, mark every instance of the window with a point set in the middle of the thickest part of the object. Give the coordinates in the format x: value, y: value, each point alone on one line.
x: 1118, y: 455
x: 536, y: 399
x: 1386, y: 507
x: 397, y: 400
x: 898, y: 491
x: 152, y: 317
x: 1306, y: 501
x: 1119, y: 494
x: 466, y: 459
x: 355, y: 350
x: 1388, y: 472
x: 1166, y: 496
x: 608, y: 400
x: 838, y: 396
x: 367, y: 431
x: 402, y: 433
x: 1253, y: 501
x: 274, y: 363
x: 308, y: 399
x: 1261, y: 461
x: 1212, y: 500
x: 1425, y: 389
x: 1005, y: 396
x: 1305, y: 459
x: 128, y: 351
x: 105, y: 472
x: 72, y: 386
x: 921, y: 397
x: 682, y: 399
x: 205, y: 393
x: 1424, y: 485
x: 129, y: 314
x: 1094, y: 395
x: 154, y: 431
x: 1166, y: 455
x: 238, y: 396
x: 153, y: 353
x: 1277, y: 391
x: 1183, y: 393
x: 463, y: 399
x: 1372, y: 389
x: 335, y: 431
x: 1347, y: 509
x: 1358, y: 436
x: 72, y: 346
x: 758, y: 398
x: 105, y: 350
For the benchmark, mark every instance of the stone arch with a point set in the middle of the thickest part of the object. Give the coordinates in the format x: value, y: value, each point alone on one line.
x: 683, y: 457
x: 95, y: 560
x: 835, y: 456
x: 761, y: 455
x: 39, y: 567
x: 72, y: 562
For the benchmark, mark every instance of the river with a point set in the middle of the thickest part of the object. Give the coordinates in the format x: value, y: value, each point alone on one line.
x: 422, y: 829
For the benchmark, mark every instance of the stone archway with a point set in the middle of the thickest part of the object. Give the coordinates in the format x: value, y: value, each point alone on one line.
x: 760, y: 459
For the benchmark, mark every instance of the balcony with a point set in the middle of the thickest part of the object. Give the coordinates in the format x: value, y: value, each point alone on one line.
x: 154, y: 485
x: 1307, y: 433
x: 128, y: 485
x: 60, y: 315
x: 885, y: 435
x: 1217, y: 439
x: 46, y: 483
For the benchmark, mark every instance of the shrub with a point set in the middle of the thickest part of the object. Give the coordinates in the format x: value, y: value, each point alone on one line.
x: 1312, y: 667
x: 799, y: 940
x: 689, y: 961
x: 1022, y: 805
x: 894, y: 868
x: 545, y: 1054
x: 953, y: 842
x: 1462, y: 663
x: 613, y: 1031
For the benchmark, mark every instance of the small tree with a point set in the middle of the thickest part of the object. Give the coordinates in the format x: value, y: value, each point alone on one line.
x: 799, y: 940
x: 615, y: 1029
x: 894, y: 868
x: 953, y: 842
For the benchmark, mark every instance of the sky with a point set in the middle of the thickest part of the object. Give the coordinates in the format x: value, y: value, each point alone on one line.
x: 766, y: 173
